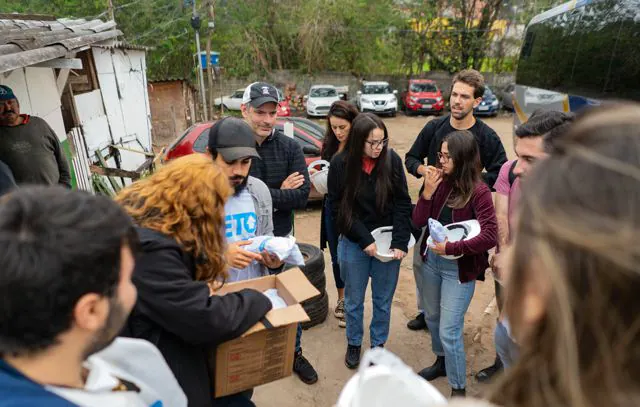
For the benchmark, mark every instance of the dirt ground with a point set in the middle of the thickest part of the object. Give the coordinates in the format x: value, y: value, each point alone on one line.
x: 325, y: 345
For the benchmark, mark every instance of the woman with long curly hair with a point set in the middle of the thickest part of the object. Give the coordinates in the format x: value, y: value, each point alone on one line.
x: 179, y: 212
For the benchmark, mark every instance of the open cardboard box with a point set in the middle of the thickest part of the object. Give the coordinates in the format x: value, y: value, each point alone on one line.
x: 263, y: 355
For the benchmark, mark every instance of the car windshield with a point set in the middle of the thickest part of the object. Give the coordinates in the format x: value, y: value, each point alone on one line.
x: 323, y: 92
x: 423, y: 87
x: 487, y: 92
x: 376, y: 89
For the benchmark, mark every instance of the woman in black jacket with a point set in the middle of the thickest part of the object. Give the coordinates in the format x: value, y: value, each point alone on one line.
x: 180, y: 214
x: 368, y: 190
x: 340, y: 116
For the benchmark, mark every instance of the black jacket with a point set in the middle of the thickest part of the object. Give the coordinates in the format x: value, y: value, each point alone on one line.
x: 365, y: 215
x: 427, y: 145
x: 281, y: 156
x: 177, y: 314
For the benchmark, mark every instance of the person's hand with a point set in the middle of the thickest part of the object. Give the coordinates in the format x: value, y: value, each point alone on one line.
x: 422, y: 170
x: 493, y: 263
x: 293, y: 181
x: 371, y: 249
x: 238, y: 257
x: 432, y: 179
x: 439, y: 248
x: 271, y: 260
x: 312, y: 171
x: 398, y: 254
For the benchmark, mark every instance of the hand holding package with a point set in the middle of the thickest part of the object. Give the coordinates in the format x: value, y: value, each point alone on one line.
x: 284, y: 247
x: 437, y: 231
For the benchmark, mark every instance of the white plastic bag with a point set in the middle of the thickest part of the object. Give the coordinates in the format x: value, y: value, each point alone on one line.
x: 284, y: 247
x: 437, y: 232
x: 389, y: 382
x: 276, y: 301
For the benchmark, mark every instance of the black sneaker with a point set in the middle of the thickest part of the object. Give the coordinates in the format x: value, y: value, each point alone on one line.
x: 352, y: 357
x: 434, y: 371
x: 304, y: 370
x: 486, y: 374
x: 458, y: 393
x: 417, y: 323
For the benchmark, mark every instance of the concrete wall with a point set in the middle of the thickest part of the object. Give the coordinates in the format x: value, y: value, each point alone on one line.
x: 303, y: 82
x: 172, y: 107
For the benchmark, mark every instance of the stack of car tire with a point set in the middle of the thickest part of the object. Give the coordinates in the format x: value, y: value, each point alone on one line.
x: 317, y: 308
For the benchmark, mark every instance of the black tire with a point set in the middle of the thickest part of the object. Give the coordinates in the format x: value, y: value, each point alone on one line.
x: 314, y: 265
x: 393, y: 114
x: 317, y: 309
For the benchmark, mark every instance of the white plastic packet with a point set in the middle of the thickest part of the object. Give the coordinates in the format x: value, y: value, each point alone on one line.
x: 389, y: 382
x: 276, y: 301
x: 284, y: 247
x: 437, y: 231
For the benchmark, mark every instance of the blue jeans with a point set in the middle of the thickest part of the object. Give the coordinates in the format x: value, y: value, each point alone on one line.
x: 446, y: 301
x: 506, y: 348
x: 357, y: 267
x: 332, y: 242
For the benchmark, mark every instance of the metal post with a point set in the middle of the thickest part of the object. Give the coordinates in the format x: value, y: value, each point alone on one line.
x: 200, y: 75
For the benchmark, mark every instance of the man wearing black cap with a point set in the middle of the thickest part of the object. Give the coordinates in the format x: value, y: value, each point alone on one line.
x: 282, y: 168
x: 248, y: 213
x: 29, y: 146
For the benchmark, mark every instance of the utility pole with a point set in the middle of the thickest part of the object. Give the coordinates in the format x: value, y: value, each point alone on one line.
x: 210, y: 75
x: 195, y: 23
x: 112, y: 12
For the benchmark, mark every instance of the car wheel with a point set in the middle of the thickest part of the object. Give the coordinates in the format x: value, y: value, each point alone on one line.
x: 313, y: 267
x: 317, y: 309
x: 393, y: 114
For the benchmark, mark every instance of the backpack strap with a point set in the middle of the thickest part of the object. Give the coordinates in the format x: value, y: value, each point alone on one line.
x: 512, y: 175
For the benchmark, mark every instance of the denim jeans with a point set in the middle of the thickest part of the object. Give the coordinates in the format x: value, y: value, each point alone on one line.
x: 505, y: 346
x: 357, y: 267
x: 446, y: 301
x: 417, y: 268
x: 332, y: 242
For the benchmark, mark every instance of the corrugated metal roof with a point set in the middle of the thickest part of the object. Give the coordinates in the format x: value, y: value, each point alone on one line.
x: 28, y: 41
x: 123, y: 45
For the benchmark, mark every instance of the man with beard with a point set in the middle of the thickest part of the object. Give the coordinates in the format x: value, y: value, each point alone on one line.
x: 248, y: 213
x: 65, y: 293
x: 467, y: 89
x: 29, y: 146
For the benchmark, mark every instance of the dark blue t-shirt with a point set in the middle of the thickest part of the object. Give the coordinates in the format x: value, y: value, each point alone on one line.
x: 16, y: 390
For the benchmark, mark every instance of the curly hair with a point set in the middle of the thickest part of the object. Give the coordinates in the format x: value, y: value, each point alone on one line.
x: 185, y: 200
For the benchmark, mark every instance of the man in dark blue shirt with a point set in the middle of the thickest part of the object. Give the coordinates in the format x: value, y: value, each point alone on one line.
x: 283, y: 169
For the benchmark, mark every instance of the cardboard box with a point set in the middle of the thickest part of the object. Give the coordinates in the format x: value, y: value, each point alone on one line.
x: 263, y: 355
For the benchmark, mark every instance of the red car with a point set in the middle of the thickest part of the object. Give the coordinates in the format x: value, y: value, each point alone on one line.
x: 284, y: 108
x: 308, y: 135
x: 423, y: 96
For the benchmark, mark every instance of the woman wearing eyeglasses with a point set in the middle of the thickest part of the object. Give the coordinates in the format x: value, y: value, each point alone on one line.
x: 453, y: 192
x: 368, y: 190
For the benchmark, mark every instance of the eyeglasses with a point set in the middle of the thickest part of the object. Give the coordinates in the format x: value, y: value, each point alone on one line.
x: 444, y: 156
x: 379, y: 143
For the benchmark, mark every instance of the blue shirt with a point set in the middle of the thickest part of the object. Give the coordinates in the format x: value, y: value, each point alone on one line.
x: 17, y: 390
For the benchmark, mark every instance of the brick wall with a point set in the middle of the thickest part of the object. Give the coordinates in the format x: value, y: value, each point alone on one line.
x: 171, y: 113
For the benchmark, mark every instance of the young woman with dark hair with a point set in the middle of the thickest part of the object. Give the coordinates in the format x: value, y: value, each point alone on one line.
x: 339, y: 119
x: 454, y: 192
x: 368, y: 190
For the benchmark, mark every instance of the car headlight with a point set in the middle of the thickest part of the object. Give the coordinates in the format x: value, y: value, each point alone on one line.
x: 439, y: 99
x: 494, y: 103
x: 413, y: 99
x: 365, y: 100
x: 393, y: 100
x: 311, y: 105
